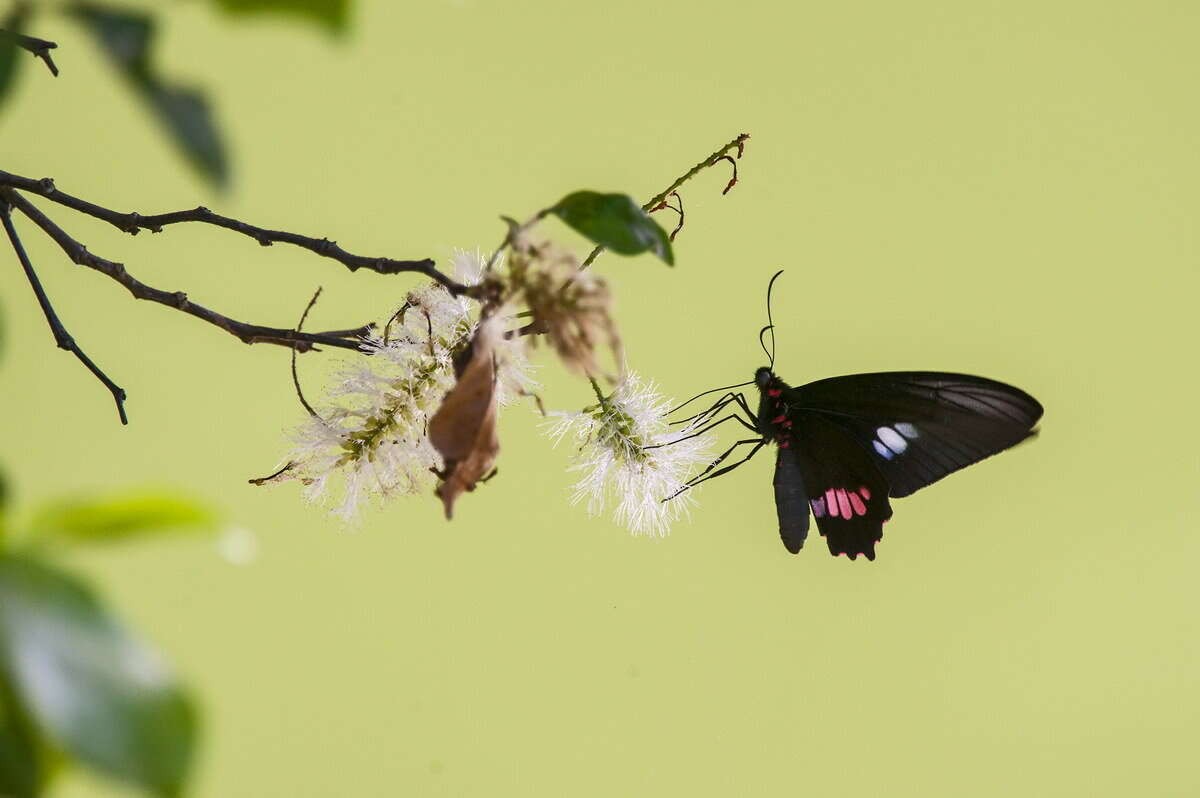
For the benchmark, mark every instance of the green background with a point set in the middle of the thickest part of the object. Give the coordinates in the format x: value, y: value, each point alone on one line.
x: 1007, y: 188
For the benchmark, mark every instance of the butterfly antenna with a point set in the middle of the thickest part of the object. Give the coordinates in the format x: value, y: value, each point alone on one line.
x: 768, y: 352
x: 770, y: 321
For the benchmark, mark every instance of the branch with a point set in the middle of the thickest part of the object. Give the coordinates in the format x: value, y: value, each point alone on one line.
x: 739, y: 144
x: 39, y: 47
x: 61, y: 337
x: 132, y: 223
x: 247, y: 333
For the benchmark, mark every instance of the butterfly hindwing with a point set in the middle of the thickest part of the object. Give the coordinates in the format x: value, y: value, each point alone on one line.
x: 847, y: 493
x: 918, y: 426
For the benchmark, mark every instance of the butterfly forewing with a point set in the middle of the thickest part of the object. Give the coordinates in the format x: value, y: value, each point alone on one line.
x: 918, y: 426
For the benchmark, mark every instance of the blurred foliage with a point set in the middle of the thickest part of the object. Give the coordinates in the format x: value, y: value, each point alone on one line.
x: 106, y: 699
x: 74, y: 684
x: 127, y: 38
x: 119, y: 518
x: 72, y: 679
x: 333, y: 14
x: 10, y: 63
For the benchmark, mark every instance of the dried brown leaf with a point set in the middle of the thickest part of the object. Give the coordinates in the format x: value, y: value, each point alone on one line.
x: 464, y: 428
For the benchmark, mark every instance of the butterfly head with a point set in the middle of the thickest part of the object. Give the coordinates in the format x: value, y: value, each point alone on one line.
x: 764, y: 377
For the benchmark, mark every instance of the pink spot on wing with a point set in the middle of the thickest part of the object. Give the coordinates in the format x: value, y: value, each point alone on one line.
x: 866, y: 492
x: 857, y: 504
x: 831, y: 502
x: 844, y: 503
x: 818, y: 507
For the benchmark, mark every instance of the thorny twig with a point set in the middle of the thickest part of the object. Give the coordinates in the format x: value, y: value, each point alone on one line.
x: 61, y: 337
x: 39, y: 47
x: 738, y: 143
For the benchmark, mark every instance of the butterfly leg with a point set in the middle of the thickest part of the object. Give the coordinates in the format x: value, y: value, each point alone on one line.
x: 707, y: 428
x: 711, y: 411
x: 720, y: 405
x: 704, y: 475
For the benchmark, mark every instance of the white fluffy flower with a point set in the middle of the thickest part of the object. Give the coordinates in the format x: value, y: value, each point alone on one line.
x: 370, y: 437
x: 615, y: 464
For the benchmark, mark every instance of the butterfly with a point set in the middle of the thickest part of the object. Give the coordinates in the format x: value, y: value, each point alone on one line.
x: 847, y: 445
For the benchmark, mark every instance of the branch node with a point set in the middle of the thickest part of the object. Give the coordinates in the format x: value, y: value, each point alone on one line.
x: 48, y: 187
x: 181, y: 299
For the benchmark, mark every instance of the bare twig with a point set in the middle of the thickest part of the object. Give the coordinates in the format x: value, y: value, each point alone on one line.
x: 39, y: 47
x: 132, y: 223
x: 738, y: 144
x: 247, y: 333
x: 61, y: 337
x: 295, y: 376
x: 260, y: 481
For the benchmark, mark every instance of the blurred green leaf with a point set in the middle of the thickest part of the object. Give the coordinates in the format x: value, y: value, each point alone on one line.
x: 127, y: 37
x: 103, y: 697
x: 614, y: 221
x: 119, y: 518
x: 21, y: 756
x: 3, y: 511
x: 10, y: 54
x: 333, y: 14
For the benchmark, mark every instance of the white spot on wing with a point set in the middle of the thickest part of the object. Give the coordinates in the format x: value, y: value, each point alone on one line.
x: 884, y: 451
x: 907, y: 430
x: 892, y: 439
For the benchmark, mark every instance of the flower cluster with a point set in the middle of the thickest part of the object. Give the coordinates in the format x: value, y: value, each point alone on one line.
x: 626, y: 452
x: 571, y: 306
x: 371, y: 432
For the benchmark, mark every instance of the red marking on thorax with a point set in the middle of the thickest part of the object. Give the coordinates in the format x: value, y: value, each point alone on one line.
x: 774, y: 392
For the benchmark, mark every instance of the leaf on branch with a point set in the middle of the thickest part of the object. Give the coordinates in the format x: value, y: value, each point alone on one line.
x: 127, y: 37
x: 616, y: 222
x: 97, y: 693
x: 120, y: 518
x: 333, y: 14
x: 10, y: 53
x: 464, y: 428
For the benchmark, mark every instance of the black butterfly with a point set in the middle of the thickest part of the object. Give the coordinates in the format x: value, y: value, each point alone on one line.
x: 847, y: 444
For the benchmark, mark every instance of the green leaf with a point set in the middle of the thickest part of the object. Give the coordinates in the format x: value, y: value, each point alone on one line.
x: 101, y: 696
x: 127, y: 38
x: 119, y: 518
x: 333, y: 14
x: 22, y: 758
x: 614, y: 221
x: 10, y: 54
